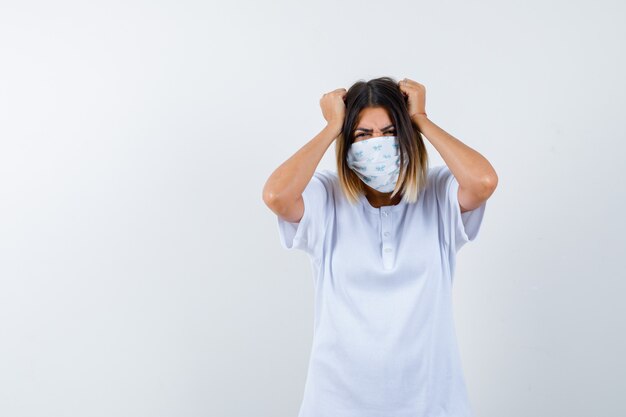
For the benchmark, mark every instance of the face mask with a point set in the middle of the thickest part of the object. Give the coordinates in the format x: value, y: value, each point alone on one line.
x: 376, y: 161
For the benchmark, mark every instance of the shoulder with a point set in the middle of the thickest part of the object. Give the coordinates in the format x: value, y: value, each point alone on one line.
x: 438, y: 171
x: 439, y: 183
x: 437, y: 175
x: 321, y: 187
x: 327, y: 177
x: 327, y: 174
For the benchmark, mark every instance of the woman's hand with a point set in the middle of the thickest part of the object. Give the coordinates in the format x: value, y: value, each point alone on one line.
x: 333, y: 107
x: 416, y: 94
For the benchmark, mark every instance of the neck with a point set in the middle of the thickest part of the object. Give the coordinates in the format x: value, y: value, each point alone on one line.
x: 378, y: 199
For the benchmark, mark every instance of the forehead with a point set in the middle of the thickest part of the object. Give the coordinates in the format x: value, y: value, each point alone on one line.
x: 373, y: 118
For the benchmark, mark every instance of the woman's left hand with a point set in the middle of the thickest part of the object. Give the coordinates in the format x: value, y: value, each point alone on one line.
x: 416, y: 94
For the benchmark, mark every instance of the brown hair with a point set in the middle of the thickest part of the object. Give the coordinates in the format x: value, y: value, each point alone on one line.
x: 383, y: 92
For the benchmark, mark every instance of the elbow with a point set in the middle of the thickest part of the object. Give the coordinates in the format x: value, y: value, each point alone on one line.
x: 271, y: 199
x: 490, y: 183
x: 274, y: 203
x: 269, y: 196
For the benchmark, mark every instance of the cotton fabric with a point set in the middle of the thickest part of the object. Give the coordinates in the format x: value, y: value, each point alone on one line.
x: 376, y: 162
x: 384, y: 342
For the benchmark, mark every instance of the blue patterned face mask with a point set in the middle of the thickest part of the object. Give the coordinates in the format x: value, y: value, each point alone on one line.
x: 376, y: 161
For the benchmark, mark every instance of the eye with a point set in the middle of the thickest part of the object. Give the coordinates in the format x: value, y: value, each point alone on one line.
x: 387, y: 132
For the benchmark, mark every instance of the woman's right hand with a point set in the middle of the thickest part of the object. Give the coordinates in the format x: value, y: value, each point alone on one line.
x: 333, y: 107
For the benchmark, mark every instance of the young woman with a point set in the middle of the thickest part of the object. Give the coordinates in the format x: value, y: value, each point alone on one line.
x: 382, y: 233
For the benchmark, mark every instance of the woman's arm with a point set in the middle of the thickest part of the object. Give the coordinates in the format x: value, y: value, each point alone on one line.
x: 282, y: 192
x: 476, y: 177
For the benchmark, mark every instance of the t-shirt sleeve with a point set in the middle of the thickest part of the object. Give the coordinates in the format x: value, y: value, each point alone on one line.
x: 458, y: 228
x: 308, y: 234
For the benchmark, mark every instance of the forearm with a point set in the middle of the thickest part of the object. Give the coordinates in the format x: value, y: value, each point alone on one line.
x: 472, y: 170
x: 289, y: 180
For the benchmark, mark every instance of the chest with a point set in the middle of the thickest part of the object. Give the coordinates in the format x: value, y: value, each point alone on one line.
x: 397, y: 245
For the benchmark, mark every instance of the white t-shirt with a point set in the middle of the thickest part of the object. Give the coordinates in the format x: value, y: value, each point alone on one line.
x: 384, y: 343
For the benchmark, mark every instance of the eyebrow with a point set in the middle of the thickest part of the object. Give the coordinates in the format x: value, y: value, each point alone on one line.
x: 369, y: 130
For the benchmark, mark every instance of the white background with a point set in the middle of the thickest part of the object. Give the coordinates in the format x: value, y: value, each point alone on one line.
x: 142, y: 275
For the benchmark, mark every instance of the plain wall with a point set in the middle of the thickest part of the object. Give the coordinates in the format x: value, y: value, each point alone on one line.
x: 141, y: 273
